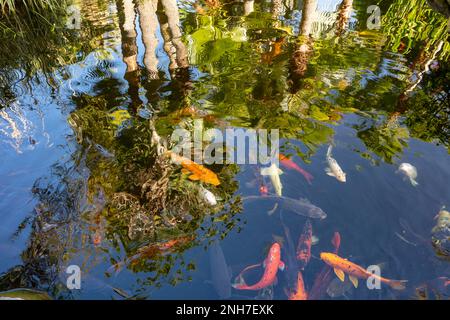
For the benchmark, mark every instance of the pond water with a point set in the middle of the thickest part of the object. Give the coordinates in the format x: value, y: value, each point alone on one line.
x: 86, y: 102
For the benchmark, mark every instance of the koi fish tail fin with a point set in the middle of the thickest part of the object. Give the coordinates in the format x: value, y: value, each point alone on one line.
x: 240, y: 282
x: 330, y: 147
x: 237, y: 285
x: 398, y: 284
x: 414, y: 183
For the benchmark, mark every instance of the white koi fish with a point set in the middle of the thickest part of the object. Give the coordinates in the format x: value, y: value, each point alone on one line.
x: 208, y: 196
x: 333, y: 169
x: 410, y: 172
x: 274, y: 172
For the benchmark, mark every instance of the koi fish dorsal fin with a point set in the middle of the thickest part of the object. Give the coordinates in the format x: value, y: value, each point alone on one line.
x: 354, y: 281
x: 340, y: 274
x: 270, y: 171
x: 194, y: 177
x: 413, y: 182
x: 328, y: 172
x: 330, y: 147
x: 304, y: 200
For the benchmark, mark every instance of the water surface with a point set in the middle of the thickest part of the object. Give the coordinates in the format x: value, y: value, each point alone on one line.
x: 81, y: 182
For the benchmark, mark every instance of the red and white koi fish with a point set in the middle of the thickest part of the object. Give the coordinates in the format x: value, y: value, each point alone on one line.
x: 271, y: 265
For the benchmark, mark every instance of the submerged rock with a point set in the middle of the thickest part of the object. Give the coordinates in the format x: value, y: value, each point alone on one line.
x: 24, y: 294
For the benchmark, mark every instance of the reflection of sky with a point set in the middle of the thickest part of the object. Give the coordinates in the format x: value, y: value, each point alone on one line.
x: 328, y: 5
x: 20, y: 168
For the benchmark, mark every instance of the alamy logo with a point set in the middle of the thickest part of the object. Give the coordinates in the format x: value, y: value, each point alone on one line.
x: 74, y: 279
x: 374, y: 20
x: 374, y: 281
x: 231, y: 145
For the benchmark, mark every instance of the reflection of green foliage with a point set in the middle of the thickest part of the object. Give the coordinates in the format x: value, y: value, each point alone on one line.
x: 35, y: 40
x: 149, y: 199
x: 21, y: 34
x: 11, y: 7
x: 410, y: 23
x: 428, y: 116
x: 385, y: 141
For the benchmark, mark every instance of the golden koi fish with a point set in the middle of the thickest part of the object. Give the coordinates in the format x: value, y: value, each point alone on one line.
x: 197, y: 171
x: 342, y: 266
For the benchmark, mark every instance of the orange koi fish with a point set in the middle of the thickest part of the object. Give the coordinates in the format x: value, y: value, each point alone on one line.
x: 271, y: 265
x: 304, y: 245
x: 155, y: 249
x: 150, y: 251
x: 198, y: 172
x: 276, y: 48
x: 263, y: 190
x: 343, y: 266
x: 300, y: 293
x: 288, y: 163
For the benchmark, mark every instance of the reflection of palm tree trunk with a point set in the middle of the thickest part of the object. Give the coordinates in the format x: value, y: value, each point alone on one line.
x: 149, y: 24
x: 173, y: 20
x: 129, y: 48
x: 343, y: 15
x: 127, y: 17
x: 308, y: 15
x: 169, y: 48
x: 277, y: 8
x: 303, y: 49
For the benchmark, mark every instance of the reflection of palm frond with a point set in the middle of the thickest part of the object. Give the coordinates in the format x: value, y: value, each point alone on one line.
x: 411, y: 22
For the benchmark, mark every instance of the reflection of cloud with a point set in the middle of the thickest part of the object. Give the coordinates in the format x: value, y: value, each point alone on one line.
x: 14, y: 126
